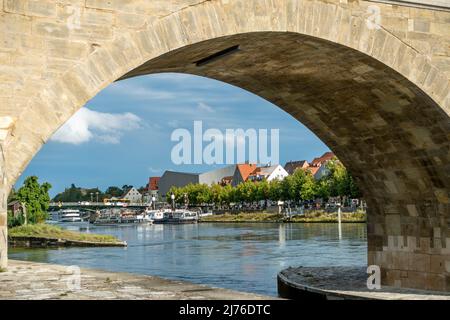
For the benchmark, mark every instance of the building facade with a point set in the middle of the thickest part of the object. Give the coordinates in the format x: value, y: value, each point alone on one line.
x: 132, y: 195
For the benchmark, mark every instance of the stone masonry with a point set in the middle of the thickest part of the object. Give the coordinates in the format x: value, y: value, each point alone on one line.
x: 370, y: 78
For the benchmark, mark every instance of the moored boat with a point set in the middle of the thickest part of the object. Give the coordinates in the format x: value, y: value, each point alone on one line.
x: 177, y: 217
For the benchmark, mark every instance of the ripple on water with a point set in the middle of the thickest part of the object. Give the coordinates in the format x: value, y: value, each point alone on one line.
x: 244, y: 257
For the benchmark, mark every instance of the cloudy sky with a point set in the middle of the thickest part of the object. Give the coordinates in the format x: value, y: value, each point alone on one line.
x: 123, y: 135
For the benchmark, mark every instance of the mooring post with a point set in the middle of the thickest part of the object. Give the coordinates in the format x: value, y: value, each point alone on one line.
x: 339, y: 221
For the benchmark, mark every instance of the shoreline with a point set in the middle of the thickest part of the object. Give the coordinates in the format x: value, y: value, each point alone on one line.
x: 45, y: 236
x: 265, y: 217
x: 287, y: 222
x: 43, y: 242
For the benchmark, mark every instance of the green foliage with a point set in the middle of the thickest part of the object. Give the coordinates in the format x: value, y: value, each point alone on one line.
x: 43, y: 230
x: 15, y: 221
x: 300, y: 186
x: 339, y: 182
x: 36, y: 199
x: 76, y: 194
x: 113, y: 191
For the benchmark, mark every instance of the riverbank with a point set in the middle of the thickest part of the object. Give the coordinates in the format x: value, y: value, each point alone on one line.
x: 261, y: 217
x: 44, y: 235
x: 42, y: 281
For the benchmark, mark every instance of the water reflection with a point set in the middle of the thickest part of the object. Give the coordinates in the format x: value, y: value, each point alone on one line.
x: 243, y: 257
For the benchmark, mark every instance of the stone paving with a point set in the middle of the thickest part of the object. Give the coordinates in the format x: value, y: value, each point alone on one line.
x: 38, y: 281
x: 350, y: 283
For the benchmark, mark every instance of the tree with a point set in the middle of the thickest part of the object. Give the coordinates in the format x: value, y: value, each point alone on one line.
x: 113, y: 191
x: 275, y: 190
x: 308, y: 188
x: 36, y: 199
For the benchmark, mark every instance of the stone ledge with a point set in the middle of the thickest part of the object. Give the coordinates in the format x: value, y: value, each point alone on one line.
x: 342, y: 283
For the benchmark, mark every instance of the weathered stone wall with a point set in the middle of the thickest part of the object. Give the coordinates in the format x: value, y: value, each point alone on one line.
x: 393, y: 131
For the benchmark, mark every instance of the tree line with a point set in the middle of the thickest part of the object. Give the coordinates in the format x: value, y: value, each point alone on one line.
x: 299, y: 187
x: 77, y: 194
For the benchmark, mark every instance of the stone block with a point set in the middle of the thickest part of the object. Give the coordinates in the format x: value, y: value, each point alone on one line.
x: 66, y: 49
x: 50, y: 29
x: 437, y: 263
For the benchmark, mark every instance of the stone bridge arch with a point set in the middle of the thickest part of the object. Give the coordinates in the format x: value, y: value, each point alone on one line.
x: 374, y: 88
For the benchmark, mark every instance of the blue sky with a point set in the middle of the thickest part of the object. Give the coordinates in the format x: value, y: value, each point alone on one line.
x: 122, y: 136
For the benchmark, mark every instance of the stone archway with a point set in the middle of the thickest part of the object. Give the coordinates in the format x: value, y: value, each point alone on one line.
x: 378, y: 99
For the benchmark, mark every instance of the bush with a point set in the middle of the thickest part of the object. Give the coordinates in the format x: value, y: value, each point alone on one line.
x: 15, y: 221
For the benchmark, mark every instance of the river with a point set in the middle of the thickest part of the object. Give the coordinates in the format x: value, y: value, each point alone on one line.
x: 238, y: 256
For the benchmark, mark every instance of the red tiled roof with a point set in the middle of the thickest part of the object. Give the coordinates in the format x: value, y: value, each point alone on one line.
x: 313, y: 170
x: 246, y: 170
x: 317, y: 162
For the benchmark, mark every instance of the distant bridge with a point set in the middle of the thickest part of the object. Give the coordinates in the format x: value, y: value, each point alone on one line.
x: 94, y: 205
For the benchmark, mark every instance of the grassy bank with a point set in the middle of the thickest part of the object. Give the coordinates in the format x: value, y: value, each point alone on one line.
x: 46, y: 231
x: 273, y: 217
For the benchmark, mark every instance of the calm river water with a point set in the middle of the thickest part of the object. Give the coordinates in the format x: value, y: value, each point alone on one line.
x: 244, y: 257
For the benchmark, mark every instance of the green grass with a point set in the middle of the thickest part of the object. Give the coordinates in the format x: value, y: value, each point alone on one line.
x: 319, y: 216
x: 330, y: 217
x: 2, y: 270
x: 244, y: 217
x: 43, y: 230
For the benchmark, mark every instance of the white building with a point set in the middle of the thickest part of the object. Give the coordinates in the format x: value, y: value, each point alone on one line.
x: 133, y: 195
x: 269, y: 173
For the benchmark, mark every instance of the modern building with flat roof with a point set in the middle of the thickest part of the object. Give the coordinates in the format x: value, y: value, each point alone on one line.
x: 181, y: 179
x: 177, y: 179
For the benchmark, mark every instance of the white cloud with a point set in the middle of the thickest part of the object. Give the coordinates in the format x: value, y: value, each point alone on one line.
x: 174, y: 123
x: 204, y: 107
x: 87, y: 125
x: 154, y: 170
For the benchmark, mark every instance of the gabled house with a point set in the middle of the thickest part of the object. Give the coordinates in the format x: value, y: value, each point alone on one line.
x: 153, y: 186
x: 132, y: 195
x: 327, y: 156
x: 268, y: 173
x: 291, y: 166
x: 16, y: 208
x: 317, y: 167
x: 242, y: 172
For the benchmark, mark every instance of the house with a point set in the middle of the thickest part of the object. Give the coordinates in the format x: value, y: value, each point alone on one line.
x: 291, y: 166
x: 327, y: 156
x: 268, y: 173
x: 242, y: 172
x: 216, y: 176
x: 132, y: 195
x: 181, y: 179
x: 15, y: 208
x: 317, y: 167
x: 153, y: 186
